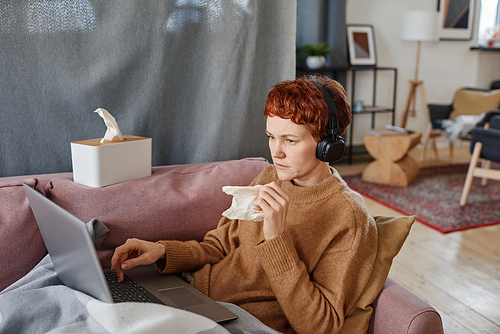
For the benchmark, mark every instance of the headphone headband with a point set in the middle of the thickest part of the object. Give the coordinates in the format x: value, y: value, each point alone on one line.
x: 333, y: 122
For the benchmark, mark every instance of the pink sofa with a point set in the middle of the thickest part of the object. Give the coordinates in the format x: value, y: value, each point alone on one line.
x: 176, y: 202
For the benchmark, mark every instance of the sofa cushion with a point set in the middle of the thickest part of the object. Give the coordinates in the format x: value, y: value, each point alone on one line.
x: 474, y: 102
x: 392, y: 233
x: 21, y: 244
x: 180, y: 202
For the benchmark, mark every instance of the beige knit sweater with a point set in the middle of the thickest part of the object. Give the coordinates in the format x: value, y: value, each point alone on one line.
x: 304, y: 280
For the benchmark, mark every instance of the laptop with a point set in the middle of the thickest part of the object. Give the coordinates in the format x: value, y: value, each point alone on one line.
x: 77, y: 265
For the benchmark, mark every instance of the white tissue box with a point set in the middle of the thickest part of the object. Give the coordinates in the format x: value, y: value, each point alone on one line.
x: 99, y: 165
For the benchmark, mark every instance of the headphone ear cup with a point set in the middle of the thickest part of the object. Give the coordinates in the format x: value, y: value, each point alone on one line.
x: 330, y: 149
x: 320, y: 148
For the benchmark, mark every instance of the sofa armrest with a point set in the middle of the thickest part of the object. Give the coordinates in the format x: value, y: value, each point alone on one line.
x: 490, y: 138
x: 489, y: 115
x: 397, y: 310
x: 438, y: 112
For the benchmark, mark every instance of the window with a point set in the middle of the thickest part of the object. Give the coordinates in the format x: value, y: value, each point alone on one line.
x: 489, y: 20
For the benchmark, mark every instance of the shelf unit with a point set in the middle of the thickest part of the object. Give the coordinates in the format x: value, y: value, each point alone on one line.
x: 484, y: 48
x: 332, y: 72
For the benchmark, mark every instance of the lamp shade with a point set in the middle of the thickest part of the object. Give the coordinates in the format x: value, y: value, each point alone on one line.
x: 419, y: 26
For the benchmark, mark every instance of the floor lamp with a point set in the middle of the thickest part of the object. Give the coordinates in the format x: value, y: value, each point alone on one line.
x: 419, y: 26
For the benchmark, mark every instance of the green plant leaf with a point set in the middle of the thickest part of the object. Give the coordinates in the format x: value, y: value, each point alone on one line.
x: 318, y: 49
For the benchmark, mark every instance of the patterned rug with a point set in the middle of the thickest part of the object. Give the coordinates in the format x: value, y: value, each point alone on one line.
x: 434, y: 198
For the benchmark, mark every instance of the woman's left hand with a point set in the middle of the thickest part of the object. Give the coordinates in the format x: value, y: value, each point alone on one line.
x: 273, y: 201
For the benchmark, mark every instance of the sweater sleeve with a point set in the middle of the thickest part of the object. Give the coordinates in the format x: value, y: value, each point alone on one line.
x: 193, y: 255
x: 314, y: 302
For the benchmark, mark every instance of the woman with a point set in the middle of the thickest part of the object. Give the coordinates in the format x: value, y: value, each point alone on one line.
x: 302, y: 268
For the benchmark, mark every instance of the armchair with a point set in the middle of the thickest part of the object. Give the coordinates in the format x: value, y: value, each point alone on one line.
x: 485, y: 140
x: 467, y: 101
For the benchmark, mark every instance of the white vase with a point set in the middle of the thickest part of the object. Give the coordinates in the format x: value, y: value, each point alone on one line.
x: 315, y: 62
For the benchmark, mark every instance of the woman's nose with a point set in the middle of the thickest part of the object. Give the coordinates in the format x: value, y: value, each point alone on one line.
x: 277, y: 151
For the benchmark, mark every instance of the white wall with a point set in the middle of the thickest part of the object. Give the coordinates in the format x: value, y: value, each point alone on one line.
x: 444, y: 65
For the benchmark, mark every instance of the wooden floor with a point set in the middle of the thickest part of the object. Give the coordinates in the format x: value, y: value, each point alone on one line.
x: 458, y: 273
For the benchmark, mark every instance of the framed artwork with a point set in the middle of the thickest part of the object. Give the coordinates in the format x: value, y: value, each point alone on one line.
x: 361, y: 45
x: 455, y: 19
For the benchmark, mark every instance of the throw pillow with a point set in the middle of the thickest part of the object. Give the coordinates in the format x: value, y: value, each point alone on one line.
x: 473, y: 102
x: 392, y: 233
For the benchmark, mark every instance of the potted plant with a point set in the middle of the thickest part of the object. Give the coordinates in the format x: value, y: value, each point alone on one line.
x: 314, y: 54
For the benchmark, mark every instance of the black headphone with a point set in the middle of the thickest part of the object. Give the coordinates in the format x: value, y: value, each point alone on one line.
x: 330, y: 148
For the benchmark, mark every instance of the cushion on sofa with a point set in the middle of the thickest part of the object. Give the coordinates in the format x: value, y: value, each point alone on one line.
x: 21, y: 245
x: 392, y: 233
x: 474, y: 102
x: 179, y: 202
x: 151, y: 208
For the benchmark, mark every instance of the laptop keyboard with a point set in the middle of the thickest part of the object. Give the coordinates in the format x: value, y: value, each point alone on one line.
x: 128, y: 290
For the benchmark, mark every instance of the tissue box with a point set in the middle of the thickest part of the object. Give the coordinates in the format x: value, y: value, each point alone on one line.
x: 99, y: 165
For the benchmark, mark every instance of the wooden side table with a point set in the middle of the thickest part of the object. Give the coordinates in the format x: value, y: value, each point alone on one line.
x: 392, y: 165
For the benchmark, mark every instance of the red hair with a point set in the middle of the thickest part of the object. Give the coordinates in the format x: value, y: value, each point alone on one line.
x: 301, y: 102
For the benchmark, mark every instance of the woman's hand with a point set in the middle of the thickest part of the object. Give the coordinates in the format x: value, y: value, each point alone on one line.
x: 273, y: 201
x: 135, y: 252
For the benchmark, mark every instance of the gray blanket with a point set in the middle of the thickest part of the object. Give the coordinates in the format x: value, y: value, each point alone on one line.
x: 40, y: 303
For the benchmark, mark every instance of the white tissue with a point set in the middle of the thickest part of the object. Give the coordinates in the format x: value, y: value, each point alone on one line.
x: 242, y: 206
x: 113, y: 132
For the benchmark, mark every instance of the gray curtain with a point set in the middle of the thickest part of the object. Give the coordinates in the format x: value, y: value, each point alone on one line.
x: 191, y: 74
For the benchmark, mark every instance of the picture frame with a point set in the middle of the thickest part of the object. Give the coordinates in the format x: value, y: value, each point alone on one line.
x: 361, y: 45
x: 455, y: 19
